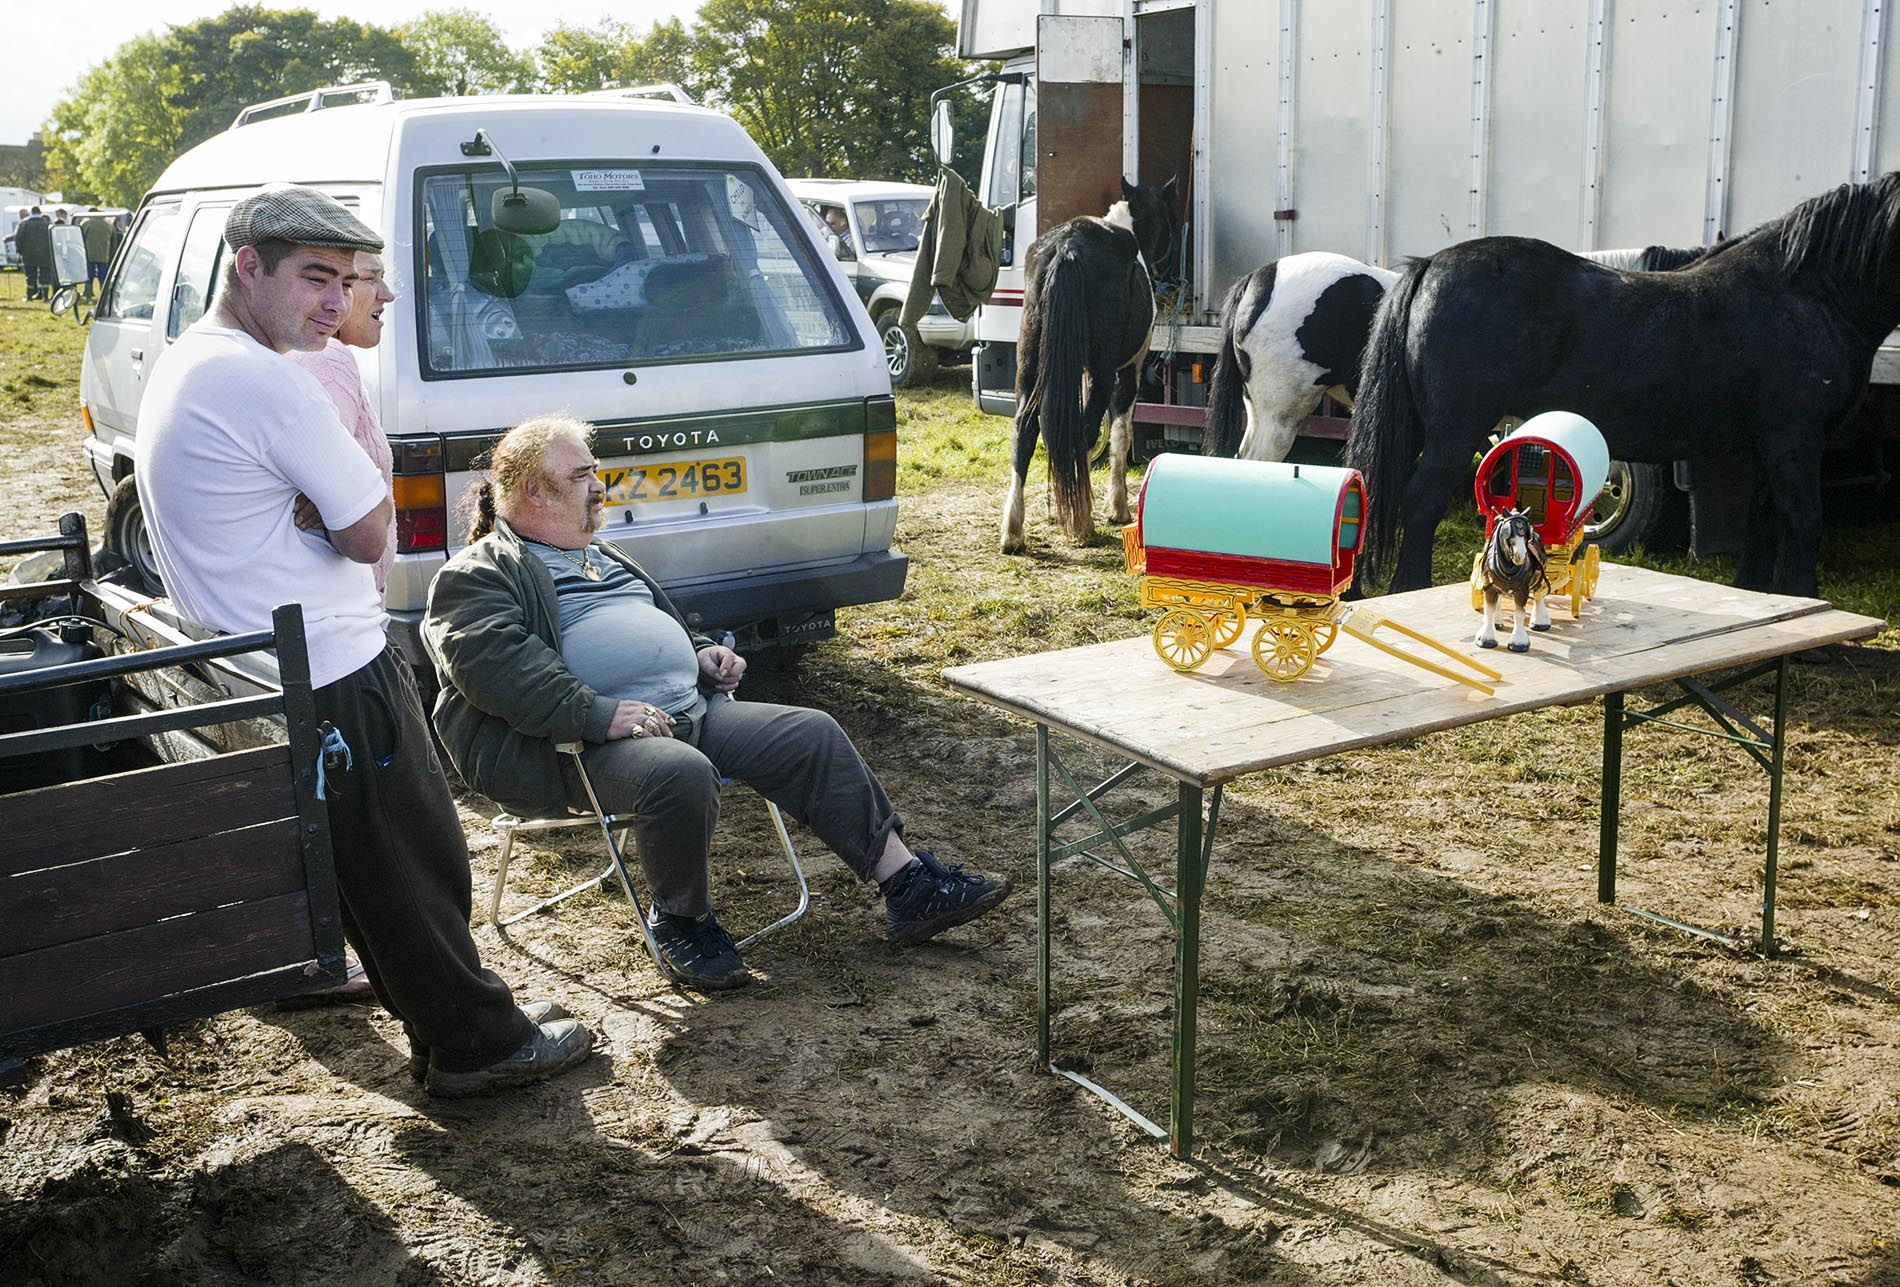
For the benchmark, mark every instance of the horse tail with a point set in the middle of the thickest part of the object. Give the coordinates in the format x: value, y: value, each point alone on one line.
x: 1383, y: 441
x: 1062, y: 360
x: 1226, y: 392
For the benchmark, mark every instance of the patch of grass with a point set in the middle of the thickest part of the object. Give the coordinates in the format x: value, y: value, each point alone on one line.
x: 42, y: 354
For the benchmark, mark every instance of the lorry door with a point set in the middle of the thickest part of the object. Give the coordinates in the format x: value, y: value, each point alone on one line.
x: 1079, y: 119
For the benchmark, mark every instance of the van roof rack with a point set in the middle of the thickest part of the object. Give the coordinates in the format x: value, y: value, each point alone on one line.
x: 658, y: 89
x: 315, y: 100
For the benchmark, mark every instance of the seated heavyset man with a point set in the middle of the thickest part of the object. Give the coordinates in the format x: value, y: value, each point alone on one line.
x: 231, y: 435
x: 542, y: 634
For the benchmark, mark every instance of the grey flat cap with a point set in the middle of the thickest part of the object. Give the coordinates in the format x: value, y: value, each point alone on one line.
x: 300, y: 216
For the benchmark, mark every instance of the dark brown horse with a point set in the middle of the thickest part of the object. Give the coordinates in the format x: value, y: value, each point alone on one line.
x: 1763, y: 346
x: 1088, y: 308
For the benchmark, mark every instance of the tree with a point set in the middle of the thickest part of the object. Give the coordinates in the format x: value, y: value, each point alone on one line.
x: 113, y: 135
x: 249, y: 54
x: 458, y: 51
x: 575, y: 60
x: 831, y: 87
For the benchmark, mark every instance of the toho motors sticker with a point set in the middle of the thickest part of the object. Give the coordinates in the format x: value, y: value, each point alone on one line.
x: 608, y: 181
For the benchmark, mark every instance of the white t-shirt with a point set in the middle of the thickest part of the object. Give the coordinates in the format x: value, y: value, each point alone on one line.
x: 229, y: 433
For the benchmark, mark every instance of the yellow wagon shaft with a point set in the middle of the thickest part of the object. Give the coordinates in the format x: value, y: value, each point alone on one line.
x: 1295, y: 629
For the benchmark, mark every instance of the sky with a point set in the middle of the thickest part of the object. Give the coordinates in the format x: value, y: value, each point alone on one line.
x: 53, y: 44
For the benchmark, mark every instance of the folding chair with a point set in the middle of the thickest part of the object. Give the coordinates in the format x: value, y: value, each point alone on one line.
x: 614, y: 830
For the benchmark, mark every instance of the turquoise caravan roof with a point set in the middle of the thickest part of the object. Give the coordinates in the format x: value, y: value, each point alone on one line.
x: 1516, y: 473
x: 1254, y: 508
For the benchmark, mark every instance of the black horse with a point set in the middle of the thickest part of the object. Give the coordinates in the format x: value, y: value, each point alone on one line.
x: 1763, y: 345
x: 1296, y: 329
x: 1088, y: 308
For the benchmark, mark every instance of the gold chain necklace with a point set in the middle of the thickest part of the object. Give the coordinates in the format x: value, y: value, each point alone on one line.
x: 589, y: 569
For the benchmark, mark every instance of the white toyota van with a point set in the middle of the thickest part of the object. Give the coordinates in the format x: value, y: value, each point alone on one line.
x: 680, y: 301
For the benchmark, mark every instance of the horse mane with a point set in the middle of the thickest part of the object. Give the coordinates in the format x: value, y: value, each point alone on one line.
x: 1851, y: 230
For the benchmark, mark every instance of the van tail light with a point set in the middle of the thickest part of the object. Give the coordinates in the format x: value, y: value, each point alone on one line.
x: 880, y: 449
x: 85, y: 414
x: 421, y: 494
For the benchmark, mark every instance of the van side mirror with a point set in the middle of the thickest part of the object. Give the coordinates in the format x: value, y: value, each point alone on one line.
x: 942, y: 135
x: 530, y: 211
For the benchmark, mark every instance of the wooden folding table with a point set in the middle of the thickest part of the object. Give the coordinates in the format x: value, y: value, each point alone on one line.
x: 1207, y: 727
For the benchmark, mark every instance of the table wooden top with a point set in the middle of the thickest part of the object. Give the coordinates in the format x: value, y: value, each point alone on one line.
x: 1227, y: 719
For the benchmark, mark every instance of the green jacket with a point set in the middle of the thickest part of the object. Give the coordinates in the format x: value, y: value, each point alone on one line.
x: 493, y: 631
x: 959, y: 254
x: 96, y: 232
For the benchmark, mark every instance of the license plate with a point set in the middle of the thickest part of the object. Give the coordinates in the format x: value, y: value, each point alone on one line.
x: 674, y: 480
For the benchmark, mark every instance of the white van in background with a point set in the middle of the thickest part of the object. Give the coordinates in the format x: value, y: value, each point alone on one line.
x: 15, y: 205
x: 680, y: 302
x: 885, y: 223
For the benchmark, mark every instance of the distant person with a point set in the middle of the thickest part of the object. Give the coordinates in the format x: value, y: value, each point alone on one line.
x: 34, y: 240
x: 97, y: 234
x: 230, y: 434
x: 840, y: 231
x: 120, y: 224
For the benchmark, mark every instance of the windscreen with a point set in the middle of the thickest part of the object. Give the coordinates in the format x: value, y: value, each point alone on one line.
x: 892, y: 223
x: 649, y: 263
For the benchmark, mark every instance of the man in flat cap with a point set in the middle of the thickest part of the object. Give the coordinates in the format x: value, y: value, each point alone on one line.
x: 231, y: 434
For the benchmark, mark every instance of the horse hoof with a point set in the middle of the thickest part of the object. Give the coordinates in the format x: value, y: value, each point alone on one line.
x: 1540, y: 628
x: 1487, y: 643
x: 1523, y: 647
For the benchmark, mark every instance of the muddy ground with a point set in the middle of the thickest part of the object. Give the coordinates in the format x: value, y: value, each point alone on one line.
x: 1428, y: 1056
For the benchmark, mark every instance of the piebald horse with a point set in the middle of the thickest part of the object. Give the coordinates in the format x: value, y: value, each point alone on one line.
x: 1088, y: 309
x: 1764, y: 345
x: 1295, y: 330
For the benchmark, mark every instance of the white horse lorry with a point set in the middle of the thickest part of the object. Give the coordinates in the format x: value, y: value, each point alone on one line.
x: 675, y: 296
x: 1383, y: 129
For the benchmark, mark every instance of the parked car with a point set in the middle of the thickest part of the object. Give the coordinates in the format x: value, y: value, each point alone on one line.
x: 879, y: 250
x: 681, y: 303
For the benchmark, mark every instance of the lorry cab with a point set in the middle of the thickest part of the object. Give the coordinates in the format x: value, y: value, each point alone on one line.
x: 681, y: 303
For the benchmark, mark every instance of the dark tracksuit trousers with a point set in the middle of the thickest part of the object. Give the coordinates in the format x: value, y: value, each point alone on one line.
x: 402, y: 874
x: 797, y: 758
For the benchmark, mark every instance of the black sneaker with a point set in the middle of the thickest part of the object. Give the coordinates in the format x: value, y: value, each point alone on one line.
x: 697, y: 951
x: 926, y: 898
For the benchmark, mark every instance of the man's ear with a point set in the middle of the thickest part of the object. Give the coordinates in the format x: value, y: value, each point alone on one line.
x: 249, y: 264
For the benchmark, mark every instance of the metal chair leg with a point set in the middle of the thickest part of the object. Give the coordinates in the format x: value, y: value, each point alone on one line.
x: 804, y: 889
x: 509, y: 826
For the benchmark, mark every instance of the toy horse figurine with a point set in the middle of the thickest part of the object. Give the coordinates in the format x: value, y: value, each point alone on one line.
x: 1513, y: 564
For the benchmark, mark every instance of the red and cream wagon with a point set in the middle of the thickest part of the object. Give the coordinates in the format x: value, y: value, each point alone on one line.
x: 1553, y: 466
x: 1218, y: 542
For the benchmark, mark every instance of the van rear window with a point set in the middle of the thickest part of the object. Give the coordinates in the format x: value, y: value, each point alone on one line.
x: 649, y: 264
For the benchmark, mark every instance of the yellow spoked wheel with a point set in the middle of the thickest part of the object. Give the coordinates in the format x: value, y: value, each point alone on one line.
x: 1477, y: 582
x: 1183, y: 639
x: 1226, y: 626
x: 1592, y: 568
x: 1323, y: 635
x: 1284, y: 650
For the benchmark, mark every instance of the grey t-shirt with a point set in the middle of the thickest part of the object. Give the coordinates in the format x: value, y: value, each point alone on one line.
x: 615, y: 639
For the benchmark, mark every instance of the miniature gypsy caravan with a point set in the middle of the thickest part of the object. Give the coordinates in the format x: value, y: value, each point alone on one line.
x: 1554, y: 467
x: 1218, y: 541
